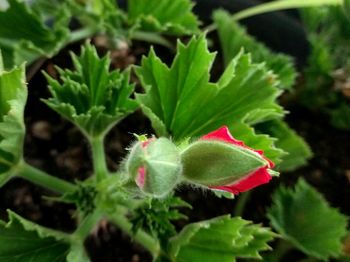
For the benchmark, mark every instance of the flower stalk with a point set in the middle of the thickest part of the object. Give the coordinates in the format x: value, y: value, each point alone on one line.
x: 98, y: 157
x: 43, y: 179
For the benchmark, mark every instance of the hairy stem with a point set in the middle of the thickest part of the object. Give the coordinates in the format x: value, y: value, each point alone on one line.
x: 98, y: 158
x: 43, y: 179
x: 87, y: 224
x: 141, y: 237
x: 241, y: 203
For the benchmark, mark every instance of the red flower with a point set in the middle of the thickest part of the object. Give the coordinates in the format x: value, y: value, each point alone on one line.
x: 257, y: 178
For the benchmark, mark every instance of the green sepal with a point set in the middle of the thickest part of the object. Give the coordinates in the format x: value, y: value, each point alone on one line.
x: 24, y: 36
x: 166, y: 16
x: 13, y: 97
x: 181, y: 101
x: 22, y: 240
x: 214, y: 163
x: 234, y: 37
x: 160, y: 161
x: 264, y: 142
x: 220, y: 239
x: 304, y: 218
x: 92, y: 97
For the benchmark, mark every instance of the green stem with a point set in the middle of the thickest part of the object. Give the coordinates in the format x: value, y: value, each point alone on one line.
x: 282, y: 5
x: 276, y: 6
x: 281, y: 250
x: 144, y: 239
x: 241, y: 203
x: 81, y: 34
x: 98, y: 157
x: 43, y: 179
x: 152, y: 38
x: 86, y: 225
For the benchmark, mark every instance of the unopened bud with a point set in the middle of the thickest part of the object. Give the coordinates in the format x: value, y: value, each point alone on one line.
x: 155, y: 165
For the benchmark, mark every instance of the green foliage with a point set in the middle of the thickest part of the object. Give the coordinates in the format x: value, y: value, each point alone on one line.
x: 22, y: 240
x: 234, y: 37
x: 25, y: 37
x: 156, y: 215
x: 298, y: 152
x: 103, y: 17
x: 13, y: 97
x: 168, y: 16
x: 304, y: 218
x: 220, y: 239
x: 83, y: 197
x: 326, y: 76
x: 92, y: 97
x: 181, y: 102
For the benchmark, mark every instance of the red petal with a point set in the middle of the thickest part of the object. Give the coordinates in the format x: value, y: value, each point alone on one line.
x: 140, y: 179
x: 259, y: 177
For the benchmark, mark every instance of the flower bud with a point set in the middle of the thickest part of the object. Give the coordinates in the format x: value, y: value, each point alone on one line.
x: 155, y: 165
x: 219, y: 161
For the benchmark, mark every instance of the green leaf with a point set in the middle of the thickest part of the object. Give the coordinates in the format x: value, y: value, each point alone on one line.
x: 181, y: 102
x: 102, y: 17
x: 22, y: 240
x: 13, y: 97
x: 92, y: 97
x: 156, y: 215
x: 220, y: 239
x: 298, y: 151
x: 247, y: 134
x: 25, y: 37
x: 234, y: 37
x: 303, y: 217
x: 340, y: 116
x: 168, y: 16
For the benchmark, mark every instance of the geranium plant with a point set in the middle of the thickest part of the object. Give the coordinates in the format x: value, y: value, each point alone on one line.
x: 220, y: 133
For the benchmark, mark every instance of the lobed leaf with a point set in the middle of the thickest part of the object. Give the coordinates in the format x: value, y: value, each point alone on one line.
x: 92, y: 97
x: 304, y: 218
x: 13, y: 97
x: 22, y: 240
x: 182, y: 102
x: 168, y: 16
x: 24, y: 36
x: 220, y: 239
x: 234, y: 37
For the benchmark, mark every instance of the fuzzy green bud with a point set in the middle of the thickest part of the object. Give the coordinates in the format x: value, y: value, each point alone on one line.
x: 155, y: 165
x: 215, y: 163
